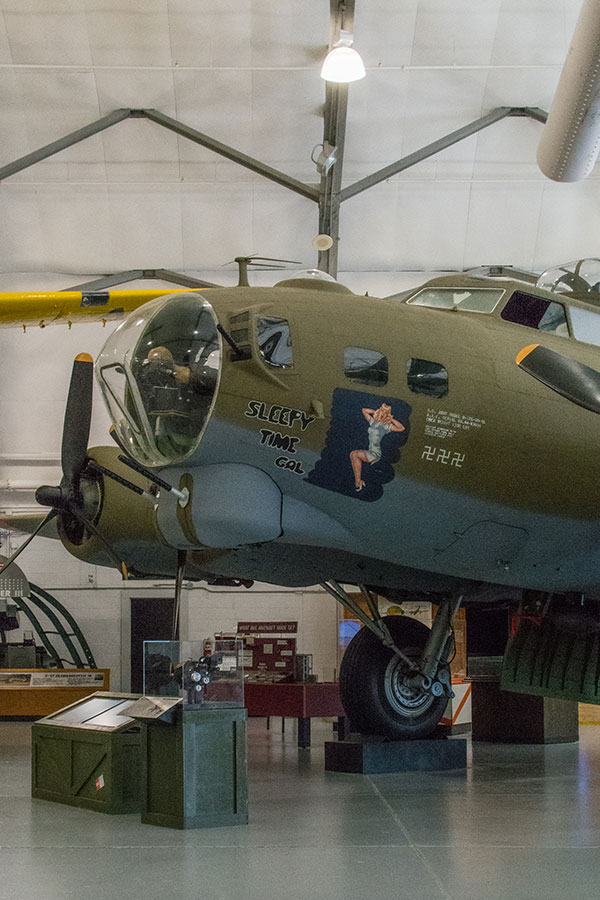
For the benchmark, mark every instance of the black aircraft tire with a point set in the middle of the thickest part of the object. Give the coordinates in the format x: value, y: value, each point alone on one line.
x: 370, y: 684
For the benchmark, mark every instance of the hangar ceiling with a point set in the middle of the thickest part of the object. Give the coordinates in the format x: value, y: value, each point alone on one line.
x: 246, y: 73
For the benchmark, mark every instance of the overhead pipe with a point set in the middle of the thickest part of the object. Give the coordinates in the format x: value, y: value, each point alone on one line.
x: 571, y: 137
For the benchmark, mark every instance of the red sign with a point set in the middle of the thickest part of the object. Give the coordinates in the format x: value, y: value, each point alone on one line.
x: 267, y: 627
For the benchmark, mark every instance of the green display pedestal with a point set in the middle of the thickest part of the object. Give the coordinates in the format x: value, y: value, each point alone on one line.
x: 194, y: 772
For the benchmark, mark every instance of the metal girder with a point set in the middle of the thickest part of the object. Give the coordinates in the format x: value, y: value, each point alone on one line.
x: 236, y: 156
x: 329, y: 194
x: 185, y: 131
x: 82, y: 134
x: 501, y: 112
x: 334, y: 134
x: 179, y: 278
x: 108, y: 281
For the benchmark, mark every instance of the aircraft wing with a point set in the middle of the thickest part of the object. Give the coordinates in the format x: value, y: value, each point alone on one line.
x: 65, y: 307
x: 28, y: 522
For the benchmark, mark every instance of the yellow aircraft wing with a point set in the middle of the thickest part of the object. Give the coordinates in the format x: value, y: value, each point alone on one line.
x: 65, y: 307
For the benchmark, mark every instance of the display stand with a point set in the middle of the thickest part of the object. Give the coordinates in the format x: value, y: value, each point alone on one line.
x: 194, y: 770
x: 373, y: 756
x: 193, y: 743
x: 506, y: 717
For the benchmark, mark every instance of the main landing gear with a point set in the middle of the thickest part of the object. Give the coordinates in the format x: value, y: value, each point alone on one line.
x: 395, y: 677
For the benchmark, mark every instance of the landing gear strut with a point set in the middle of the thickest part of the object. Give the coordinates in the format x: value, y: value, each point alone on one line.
x: 394, y: 677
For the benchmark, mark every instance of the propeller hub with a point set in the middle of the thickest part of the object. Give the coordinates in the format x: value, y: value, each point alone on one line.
x: 54, y: 497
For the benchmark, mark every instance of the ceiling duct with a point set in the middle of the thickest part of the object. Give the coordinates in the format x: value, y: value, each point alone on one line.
x: 571, y: 137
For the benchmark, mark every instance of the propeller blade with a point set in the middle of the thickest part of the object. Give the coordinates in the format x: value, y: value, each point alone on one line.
x: 571, y: 379
x: 181, y: 561
x: 78, y: 416
x: 33, y: 534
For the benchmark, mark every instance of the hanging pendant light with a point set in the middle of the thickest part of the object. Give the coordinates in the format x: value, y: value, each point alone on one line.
x: 343, y: 64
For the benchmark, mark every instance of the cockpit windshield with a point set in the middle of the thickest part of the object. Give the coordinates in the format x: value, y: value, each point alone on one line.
x: 159, y: 373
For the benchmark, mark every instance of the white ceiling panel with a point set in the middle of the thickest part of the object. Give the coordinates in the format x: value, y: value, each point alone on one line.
x: 569, y: 223
x: 216, y: 224
x: 54, y: 33
x: 75, y: 224
x: 5, y: 54
x: 139, y: 89
x: 389, y: 46
x: 370, y: 137
x: 54, y: 103
x: 141, y: 143
x: 283, y: 224
x: 133, y: 33
x: 460, y: 33
x: 286, y: 35
x: 145, y: 225
x: 202, y: 97
x: 246, y: 72
x: 410, y: 226
x: 534, y: 33
x: 440, y: 101
x: 506, y: 151
x: 14, y: 121
x: 22, y: 237
x: 521, y: 86
x: 502, y: 227
x: 287, y: 118
x: 211, y: 33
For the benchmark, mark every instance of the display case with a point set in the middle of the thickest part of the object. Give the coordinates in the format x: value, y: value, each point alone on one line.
x: 204, y: 674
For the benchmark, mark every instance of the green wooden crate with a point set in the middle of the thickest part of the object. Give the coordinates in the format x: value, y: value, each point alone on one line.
x: 194, y: 772
x: 80, y: 766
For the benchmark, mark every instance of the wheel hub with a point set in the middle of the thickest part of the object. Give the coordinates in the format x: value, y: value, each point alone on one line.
x: 408, y: 699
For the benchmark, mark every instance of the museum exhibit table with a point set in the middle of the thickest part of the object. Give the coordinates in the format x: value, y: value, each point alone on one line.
x: 302, y: 701
x: 40, y: 692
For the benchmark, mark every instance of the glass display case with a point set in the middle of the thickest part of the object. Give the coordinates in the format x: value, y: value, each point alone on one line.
x: 204, y: 674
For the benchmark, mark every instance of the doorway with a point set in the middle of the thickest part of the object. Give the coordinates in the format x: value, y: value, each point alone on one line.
x: 151, y: 620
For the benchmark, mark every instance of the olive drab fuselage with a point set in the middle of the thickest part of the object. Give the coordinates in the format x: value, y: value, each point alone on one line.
x: 388, y: 441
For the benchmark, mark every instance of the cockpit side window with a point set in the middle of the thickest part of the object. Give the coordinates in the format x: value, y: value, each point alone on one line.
x: 424, y: 376
x: 536, y: 312
x: 586, y: 325
x: 275, y: 341
x: 365, y: 366
x: 479, y: 300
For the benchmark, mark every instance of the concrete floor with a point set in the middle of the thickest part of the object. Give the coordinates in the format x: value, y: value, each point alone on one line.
x: 521, y: 822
